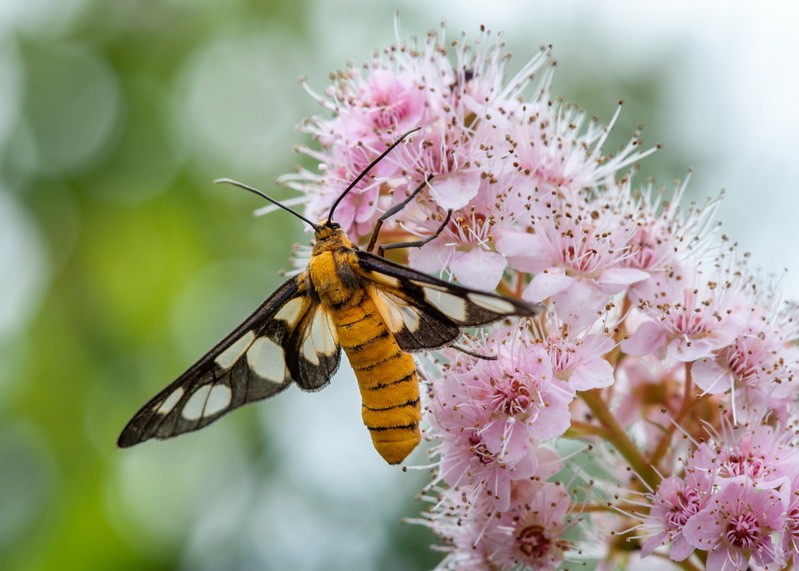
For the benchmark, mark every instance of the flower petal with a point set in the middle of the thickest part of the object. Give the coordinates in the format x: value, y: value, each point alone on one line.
x: 616, y: 280
x: 478, y: 268
x: 546, y: 284
x: 431, y: 257
x: 648, y: 338
x: 579, y: 305
x: 525, y: 252
x: 687, y: 350
x: 595, y: 374
x: 455, y: 190
x: 711, y: 377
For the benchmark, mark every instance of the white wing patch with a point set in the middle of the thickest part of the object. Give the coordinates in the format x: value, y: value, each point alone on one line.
x: 387, y: 308
x: 229, y: 356
x: 170, y: 402
x: 491, y: 303
x: 267, y: 360
x: 322, y: 338
x: 291, y: 311
x: 396, y: 314
x: 449, y: 304
x: 206, y: 401
x: 390, y: 281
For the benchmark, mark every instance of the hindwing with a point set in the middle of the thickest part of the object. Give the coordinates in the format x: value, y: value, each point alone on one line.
x: 424, y: 312
x: 289, y: 337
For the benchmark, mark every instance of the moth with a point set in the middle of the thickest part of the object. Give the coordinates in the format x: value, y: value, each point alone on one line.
x: 347, y: 298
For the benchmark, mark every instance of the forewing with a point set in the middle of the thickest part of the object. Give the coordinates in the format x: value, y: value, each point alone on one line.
x: 424, y: 312
x: 252, y: 363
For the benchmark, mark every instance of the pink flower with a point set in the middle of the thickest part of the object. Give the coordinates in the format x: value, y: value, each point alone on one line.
x: 760, y: 366
x: 383, y: 104
x: 690, y: 320
x: 675, y: 502
x: 531, y: 533
x: 657, y: 341
x: 790, y: 534
x: 489, y: 414
x: 738, y: 524
x: 763, y: 454
x: 581, y: 361
x: 467, y: 245
x: 576, y: 256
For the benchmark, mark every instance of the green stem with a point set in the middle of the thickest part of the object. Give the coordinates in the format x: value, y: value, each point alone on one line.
x: 619, y: 439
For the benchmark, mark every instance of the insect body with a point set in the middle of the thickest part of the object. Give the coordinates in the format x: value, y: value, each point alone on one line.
x: 375, y: 309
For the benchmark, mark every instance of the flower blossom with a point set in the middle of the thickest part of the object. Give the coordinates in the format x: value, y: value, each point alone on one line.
x: 738, y: 524
x: 491, y: 414
x: 657, y: 343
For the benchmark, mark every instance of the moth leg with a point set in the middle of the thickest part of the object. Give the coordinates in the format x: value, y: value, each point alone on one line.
x: 381, y: 250
x: 392, y: 211
x: 463, y: 349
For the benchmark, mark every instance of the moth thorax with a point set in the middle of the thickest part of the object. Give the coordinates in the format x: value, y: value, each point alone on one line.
x: 333, y: 277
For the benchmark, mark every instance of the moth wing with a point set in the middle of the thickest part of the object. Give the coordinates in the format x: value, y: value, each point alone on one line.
x: 315, y: 350
x: 425, y: 312
x: 256, y: 361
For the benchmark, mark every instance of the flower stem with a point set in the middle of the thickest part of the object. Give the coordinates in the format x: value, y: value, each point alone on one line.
x: 619, y: 438
x: 687, y: 403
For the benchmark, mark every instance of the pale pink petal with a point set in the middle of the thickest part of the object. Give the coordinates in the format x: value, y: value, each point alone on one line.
x: 478, y: 268
x: 680, y: 548
x: 728, y: 560
x: 525, y: 252
x: 455, y: 190
x: 687, y: 350
x: 648, y: 338
x: 551, y: 421
x: 595, y: 374
x: 616, y: 280
x: 711, y: 377
x: 431, y: 257
x: 546, y: 284
x: 580, y: 304
x: 702, y: 531
x: 548, y: 462
x: 653, y: 542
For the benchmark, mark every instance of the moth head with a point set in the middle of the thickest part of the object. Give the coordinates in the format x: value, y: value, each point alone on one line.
x: 326, y: 230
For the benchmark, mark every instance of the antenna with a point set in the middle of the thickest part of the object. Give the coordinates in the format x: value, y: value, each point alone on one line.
x: 366, y: 170
x: 264, y: 195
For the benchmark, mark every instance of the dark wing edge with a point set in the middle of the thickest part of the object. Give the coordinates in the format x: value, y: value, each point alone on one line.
x: 425, y: 312
x: 256, y: 361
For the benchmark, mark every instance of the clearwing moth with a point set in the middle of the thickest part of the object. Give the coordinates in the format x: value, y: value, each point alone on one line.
x: 378, y: 311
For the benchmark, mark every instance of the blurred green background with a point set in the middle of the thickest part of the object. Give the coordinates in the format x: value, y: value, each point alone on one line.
x: 121, y: 262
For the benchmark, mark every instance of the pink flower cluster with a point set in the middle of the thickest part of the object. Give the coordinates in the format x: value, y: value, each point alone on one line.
x: 656, y: 335
x: 737, y: 499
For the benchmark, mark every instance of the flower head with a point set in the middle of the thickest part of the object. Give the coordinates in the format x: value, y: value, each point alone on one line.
x: 738, y: 524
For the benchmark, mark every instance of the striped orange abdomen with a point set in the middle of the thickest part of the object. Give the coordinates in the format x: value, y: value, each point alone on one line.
x: 386, y: 377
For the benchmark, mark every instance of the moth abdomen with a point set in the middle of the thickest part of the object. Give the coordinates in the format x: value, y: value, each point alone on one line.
x: 387, y: 380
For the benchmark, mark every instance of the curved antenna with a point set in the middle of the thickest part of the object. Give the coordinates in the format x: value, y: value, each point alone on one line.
x: 366, y: 170
x: 269, y: 198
